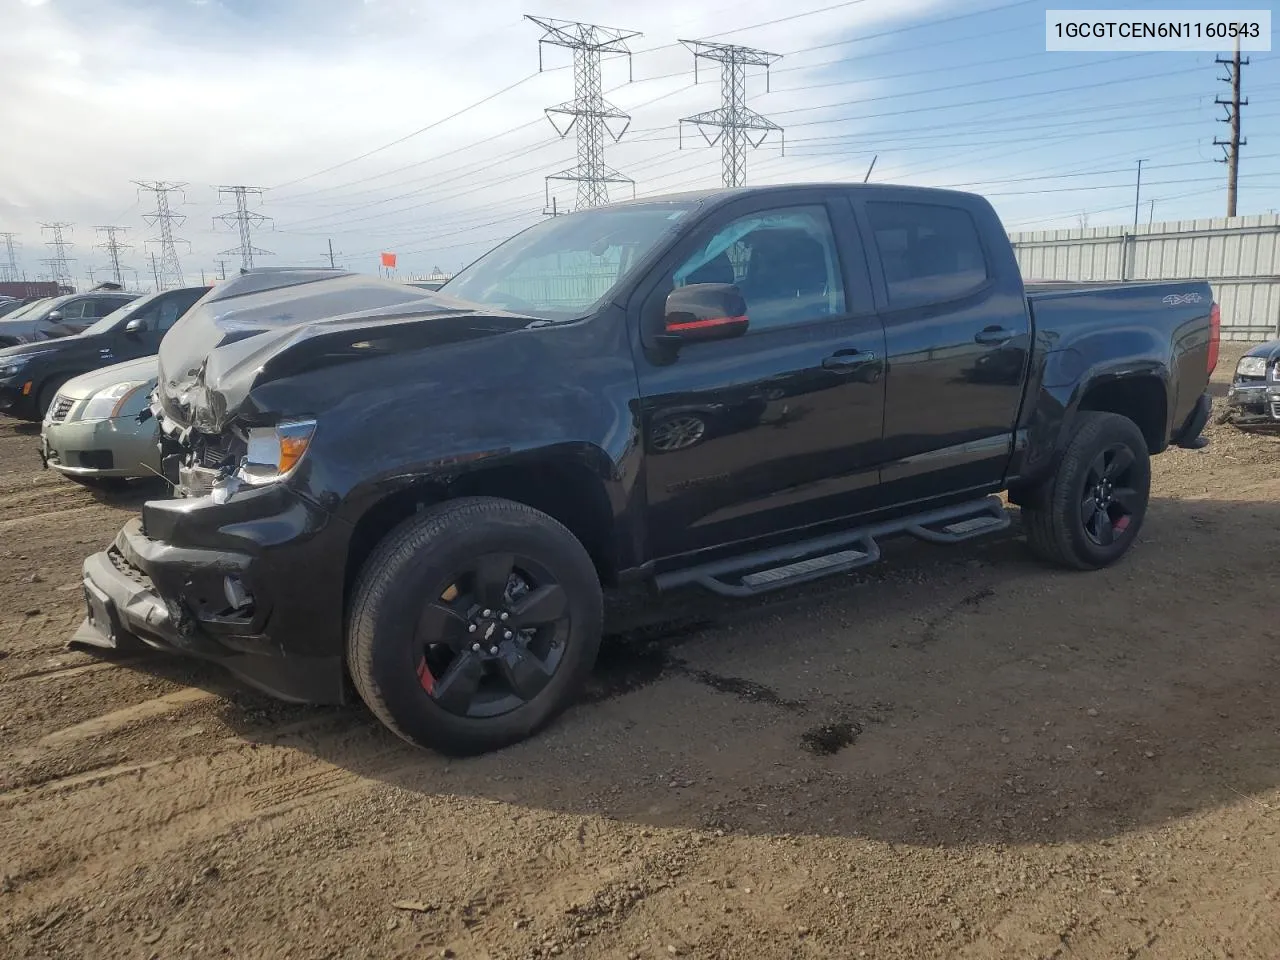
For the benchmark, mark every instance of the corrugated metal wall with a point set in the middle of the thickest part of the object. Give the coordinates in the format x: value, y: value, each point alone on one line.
x: 1239, y: 256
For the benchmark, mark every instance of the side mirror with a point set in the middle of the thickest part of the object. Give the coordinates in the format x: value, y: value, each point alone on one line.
x: 55, y: 316
x: 704, y: 311
x: 136, y: 325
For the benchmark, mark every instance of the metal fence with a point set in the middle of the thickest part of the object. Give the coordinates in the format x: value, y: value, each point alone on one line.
x: 1240, y: 257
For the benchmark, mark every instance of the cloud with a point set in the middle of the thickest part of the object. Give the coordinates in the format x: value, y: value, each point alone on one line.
x: 99, y: 93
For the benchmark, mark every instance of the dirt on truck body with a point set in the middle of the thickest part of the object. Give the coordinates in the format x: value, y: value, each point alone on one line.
x: 957, y: 753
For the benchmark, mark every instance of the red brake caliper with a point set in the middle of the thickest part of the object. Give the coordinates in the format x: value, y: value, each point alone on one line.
x: 425, y: 678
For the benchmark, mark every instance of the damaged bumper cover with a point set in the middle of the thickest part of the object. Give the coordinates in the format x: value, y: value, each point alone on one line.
x: 1254, y: 404
x: 256, y: 585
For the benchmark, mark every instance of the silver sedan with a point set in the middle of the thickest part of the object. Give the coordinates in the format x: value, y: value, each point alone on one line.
x: 91, y: 432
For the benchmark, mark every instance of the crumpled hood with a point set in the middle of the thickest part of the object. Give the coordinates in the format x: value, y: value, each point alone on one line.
x: 269, y: 324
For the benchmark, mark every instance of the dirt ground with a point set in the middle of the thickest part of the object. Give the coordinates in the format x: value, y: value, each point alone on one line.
x: 958, y: 753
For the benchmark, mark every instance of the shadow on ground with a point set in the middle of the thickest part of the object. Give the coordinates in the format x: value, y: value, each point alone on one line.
x: 944, y: 697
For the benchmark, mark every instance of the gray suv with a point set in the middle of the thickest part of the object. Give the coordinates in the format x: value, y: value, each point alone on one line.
x: 60, y: 317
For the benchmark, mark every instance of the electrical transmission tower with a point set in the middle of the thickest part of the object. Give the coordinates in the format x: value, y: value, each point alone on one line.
x: 59, y: 263
x: 738, y: 125
x: 168, y: 271
x: 244, y: 218
x: 9, y: 261
x: 113, y: 248
x: 589, y: 111
x: 1232, y: 147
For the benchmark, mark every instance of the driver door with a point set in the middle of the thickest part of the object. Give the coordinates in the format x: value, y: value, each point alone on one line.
x: 781, y: 427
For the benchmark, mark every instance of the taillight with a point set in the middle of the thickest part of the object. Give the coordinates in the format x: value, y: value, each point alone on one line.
x: 1215, y: 335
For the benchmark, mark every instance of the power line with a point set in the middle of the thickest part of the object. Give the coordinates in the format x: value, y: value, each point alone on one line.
x: 588, y: 110
x: 244, y: 219
x: 113, y: 248
x: 408, y: 136
x: 1232, y: 147
x: 59, y: 263
x: 733, y: 118
x: 167, y: 271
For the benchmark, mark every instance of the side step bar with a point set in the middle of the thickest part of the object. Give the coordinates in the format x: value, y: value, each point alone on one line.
x: 796, y: 563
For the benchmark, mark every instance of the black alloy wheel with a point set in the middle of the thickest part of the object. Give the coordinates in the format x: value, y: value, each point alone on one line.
x: 1110, y: 502
x: 494, y: 637
x: 1087, y: 514
x: 473, y: 624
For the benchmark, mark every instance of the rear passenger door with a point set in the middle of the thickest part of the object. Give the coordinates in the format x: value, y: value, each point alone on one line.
x: 779, y: 428
x: 957, y: 337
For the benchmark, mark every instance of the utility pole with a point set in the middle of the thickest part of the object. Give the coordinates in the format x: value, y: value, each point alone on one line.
x: 203, y: 281
x: 1152, y: 212
x: 155, y: 271
x: 9, y: 262
x: 92, y: 279
x: 1231, y: 148
x: 113, y: 248
x: 170, y: 271
x: 59, y: 263
x: 222, y: 269
x: 331, y: 265
x: 1137, y: 192
x: 244, y: 219
x: 735, y: 121
x: 589, y: 111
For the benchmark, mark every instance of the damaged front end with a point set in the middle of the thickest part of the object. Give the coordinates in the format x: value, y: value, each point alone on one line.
x: 1253, y: 398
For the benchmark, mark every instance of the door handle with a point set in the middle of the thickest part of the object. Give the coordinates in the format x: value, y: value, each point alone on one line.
x: 993, y: 336
x: 849, y: 359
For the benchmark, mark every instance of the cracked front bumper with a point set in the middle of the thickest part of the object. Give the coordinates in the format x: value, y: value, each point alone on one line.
x: 164, y: 581
x: 1254, y: 405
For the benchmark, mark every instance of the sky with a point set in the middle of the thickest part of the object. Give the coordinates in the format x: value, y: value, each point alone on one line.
x: 419, y: 128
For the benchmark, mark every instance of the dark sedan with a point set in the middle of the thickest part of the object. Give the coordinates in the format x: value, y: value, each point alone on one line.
x: 30, y: 374
x: 1253, y: 399
x: 60, y: 316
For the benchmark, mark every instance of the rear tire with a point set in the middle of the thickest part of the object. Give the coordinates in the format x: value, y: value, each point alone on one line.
x: 434, y: 591
x: 1089, y: 512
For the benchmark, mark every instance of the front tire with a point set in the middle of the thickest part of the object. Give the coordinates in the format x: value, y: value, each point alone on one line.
x: 473, y: 624
x: 1087, y: 515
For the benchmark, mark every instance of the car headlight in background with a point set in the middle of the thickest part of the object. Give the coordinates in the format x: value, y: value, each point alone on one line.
x: 106, y: 404
x: 1251, y: 367
x: 12, y: 366
x: 273, y: 452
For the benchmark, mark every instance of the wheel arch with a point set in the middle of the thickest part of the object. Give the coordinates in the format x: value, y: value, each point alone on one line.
x: 571, y: 489
x: 1142, y: 398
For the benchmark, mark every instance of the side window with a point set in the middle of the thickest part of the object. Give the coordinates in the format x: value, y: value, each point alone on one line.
x: 176, y: 306
x: 166, y: 313
x: 75, y: 309
x: 784, y: 262
x: 929, y: 253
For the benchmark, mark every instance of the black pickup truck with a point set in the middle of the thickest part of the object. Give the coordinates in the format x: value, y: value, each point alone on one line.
x: 422, y: 495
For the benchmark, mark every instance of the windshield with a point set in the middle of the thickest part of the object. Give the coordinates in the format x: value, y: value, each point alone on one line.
x: 115, y: 316
x: 26, y: 311
x: 561, y: 268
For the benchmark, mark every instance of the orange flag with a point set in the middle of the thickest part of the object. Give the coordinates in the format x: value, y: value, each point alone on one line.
x: 388, y: 260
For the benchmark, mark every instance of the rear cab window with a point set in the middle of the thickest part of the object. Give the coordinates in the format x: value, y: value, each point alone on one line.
x: 929, y: 253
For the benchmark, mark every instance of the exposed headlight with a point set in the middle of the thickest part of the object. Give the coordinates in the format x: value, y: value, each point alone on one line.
x: 273, y: 452
x: 1251, y: 367
x: 106, y: 404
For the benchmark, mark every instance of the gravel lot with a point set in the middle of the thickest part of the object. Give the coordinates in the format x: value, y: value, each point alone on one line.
x: 958, y: 753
